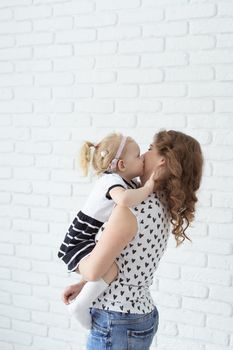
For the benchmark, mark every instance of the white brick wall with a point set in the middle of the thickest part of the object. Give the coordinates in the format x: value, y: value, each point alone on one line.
x: 79, y: 69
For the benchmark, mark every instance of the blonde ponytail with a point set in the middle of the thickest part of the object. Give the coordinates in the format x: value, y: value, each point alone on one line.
x: 85, y: 156
x: 103, y: 154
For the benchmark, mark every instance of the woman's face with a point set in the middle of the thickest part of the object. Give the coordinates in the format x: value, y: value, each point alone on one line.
x: 152, y: 161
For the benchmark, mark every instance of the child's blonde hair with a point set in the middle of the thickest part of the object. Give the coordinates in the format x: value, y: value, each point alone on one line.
x: 103, y: 154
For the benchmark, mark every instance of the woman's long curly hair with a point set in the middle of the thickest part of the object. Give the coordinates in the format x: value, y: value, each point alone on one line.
x: 184, y: 162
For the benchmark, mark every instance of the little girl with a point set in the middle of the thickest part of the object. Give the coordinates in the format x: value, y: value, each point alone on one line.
x: 117, y: 159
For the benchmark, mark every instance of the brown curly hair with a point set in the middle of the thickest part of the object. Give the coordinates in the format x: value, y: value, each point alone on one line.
x: 184, y: 162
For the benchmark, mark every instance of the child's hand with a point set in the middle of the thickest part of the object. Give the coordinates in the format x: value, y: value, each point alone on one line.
x: 150, y: 183
x: 71, y: 292
x: 157, y: 173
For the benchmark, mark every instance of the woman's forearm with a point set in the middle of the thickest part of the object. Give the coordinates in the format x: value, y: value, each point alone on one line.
x: 119, y: 231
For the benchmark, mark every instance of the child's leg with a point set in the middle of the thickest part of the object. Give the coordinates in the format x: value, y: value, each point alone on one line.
x: 79, y: 308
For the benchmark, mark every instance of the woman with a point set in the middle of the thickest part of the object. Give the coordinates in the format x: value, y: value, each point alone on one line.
x: 124, y: 317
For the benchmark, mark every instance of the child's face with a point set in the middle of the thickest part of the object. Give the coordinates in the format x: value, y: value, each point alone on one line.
x: 133, y: 161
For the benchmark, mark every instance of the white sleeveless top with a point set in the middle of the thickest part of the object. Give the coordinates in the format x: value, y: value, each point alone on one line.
x: 99, y: 204
x: 137, y: 263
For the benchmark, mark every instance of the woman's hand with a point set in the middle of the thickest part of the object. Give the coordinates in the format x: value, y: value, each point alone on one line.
x: 71, y: 292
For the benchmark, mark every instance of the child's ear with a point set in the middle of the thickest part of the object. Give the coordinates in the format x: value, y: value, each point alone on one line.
x: 121, y: 165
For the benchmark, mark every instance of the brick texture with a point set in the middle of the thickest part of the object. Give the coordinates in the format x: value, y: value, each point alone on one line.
x: 78, y: 69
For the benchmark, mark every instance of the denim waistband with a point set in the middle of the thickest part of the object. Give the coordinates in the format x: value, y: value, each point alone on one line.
x: 115, y: 317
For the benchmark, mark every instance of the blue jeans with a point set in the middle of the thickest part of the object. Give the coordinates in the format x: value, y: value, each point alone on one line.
x: 120, y: 331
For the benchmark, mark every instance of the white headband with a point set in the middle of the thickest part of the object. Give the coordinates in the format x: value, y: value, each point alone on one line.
x: 118, y: 154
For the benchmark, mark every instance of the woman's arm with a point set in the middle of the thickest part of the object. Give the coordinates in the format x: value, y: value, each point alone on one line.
x: 72, y: 291
x: 119, y: 231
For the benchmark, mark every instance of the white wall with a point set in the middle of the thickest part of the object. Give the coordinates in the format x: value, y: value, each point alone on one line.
x: 79, y: 69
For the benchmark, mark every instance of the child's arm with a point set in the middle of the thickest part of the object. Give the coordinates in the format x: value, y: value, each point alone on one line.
x: 129, y: 198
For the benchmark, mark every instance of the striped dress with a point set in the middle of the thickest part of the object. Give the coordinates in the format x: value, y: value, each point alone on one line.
x: 80, y: 238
